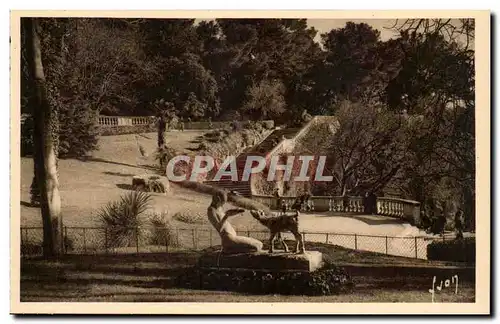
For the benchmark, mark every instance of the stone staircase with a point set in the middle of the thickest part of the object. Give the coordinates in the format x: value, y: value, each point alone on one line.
x: 261, y: 149
x: 273, y: 139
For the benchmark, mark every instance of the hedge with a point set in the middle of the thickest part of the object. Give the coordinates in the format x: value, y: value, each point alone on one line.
x: 463, y: 250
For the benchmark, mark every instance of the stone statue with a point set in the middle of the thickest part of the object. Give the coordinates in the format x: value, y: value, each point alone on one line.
x: 231, y: 242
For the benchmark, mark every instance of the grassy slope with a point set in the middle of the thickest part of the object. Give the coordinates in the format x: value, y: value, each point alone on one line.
x: 87, y: 185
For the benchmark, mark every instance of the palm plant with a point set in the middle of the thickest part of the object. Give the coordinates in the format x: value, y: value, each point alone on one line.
x: 122, y: 219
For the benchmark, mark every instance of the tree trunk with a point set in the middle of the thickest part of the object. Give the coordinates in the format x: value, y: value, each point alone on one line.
x: 162, y: 128
x: 469, y: 202
x: 45, y: 159
x: 343, y: 187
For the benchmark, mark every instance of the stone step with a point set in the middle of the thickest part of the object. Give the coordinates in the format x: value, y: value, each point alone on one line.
x: 262, y: 260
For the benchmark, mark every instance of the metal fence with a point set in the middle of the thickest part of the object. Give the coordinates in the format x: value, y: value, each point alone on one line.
x: 101, y: 240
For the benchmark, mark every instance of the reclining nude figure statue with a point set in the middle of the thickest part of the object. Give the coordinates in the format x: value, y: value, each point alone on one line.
x: 231, y: 242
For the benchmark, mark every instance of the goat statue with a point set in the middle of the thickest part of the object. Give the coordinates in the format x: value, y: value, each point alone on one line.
x: 278, y: 224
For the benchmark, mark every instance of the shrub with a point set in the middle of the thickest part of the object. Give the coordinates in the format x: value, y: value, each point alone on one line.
x: 328, y: 280
x: 122, y: 219
x: 463, y: 250
x: 268, y: 124
x: 149, y: 183
x: 155, y: 186
x: 78, y: 132
x: 203, y: 146
x: 162, y: 231
x: 27, y: 135
x: 190, y: 217
x: 163, y: 155
x: 28, y: 248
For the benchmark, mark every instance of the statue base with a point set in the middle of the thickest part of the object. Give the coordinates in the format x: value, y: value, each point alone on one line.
x: 277, y: 261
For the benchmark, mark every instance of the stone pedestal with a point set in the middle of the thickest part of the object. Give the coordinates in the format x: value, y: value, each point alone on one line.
x: 277, y: 261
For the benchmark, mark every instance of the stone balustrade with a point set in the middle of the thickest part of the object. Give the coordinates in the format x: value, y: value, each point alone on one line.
x: 125, y: 120
x: 400, y: 208
x: 393, y: 207
x: 147, y: 120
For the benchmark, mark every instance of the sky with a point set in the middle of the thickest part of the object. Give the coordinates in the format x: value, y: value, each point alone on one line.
x: 325, y: 25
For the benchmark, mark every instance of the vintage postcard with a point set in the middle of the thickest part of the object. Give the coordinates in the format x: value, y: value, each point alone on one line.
x: 253, y: 162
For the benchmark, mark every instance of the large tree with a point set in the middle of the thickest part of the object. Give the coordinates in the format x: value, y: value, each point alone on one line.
x: 182, y: 79
x: 436, y: 82
x: 368, y: 149
x: 45, y: 135
x: 264, y: 51
x: 356, y: 66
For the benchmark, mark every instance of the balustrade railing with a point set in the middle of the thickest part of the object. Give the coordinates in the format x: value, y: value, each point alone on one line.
x: 385, y: 206
x: 124, y: 120
x: 107, y: 121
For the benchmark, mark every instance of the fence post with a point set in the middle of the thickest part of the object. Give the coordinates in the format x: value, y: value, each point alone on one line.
x: 106, y: 239
x: 248, y: 233
x: 326, y: 238
x: 65, y: 247
x: 210, y: 237
x: 177, y: 236
x: 166, y: 239
x: 137, y: 239
x: 355, y: 241
x: 26, y: 235
x: 84, y: 241
x: 194, y: 238
x: 386, y: 245
x: 416, y: 250
x: 62, y: 246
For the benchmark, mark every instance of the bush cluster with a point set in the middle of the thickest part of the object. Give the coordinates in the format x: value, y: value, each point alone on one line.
x: 123, y: 130
x: 27, y: 136
x: 189, y: 217
x: 328, y: 280
x: 161, y: 232
x: 463, y: 250
x: 78, y: 134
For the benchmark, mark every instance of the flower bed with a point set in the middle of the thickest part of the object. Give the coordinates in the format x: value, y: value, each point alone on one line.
x: 328, y: 280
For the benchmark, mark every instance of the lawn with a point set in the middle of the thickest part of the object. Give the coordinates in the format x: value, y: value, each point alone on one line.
x: 88, y: 185
x: 150, y: 278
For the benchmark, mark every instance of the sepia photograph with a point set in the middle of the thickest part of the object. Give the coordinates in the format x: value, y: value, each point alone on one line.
x: 314, y: 162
